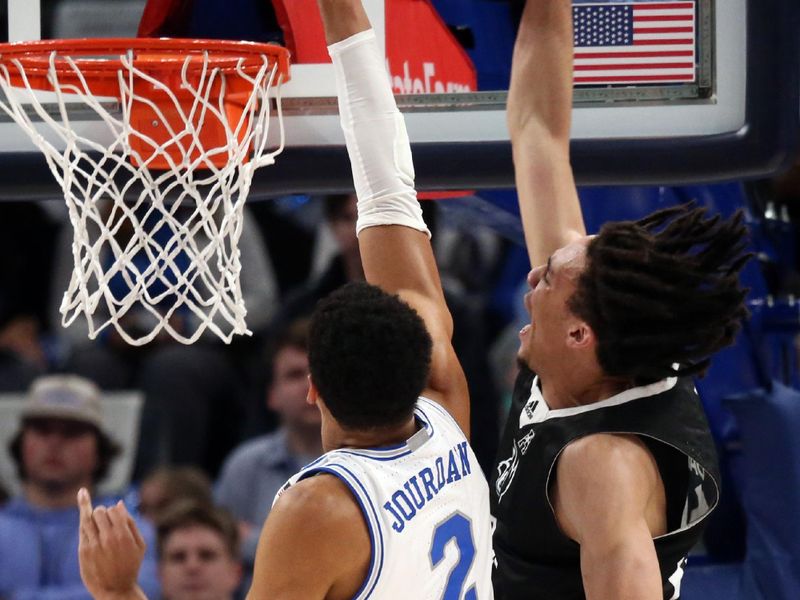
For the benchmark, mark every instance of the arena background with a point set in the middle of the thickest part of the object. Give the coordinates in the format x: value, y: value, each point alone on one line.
x: 752, y: 547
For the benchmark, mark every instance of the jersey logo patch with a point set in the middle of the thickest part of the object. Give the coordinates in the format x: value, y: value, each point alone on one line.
x: 525, y: 442
x: 506, y: 470
x: 534, y: 411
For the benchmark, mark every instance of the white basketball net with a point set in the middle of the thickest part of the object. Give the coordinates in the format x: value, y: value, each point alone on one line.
x: 155, y: 252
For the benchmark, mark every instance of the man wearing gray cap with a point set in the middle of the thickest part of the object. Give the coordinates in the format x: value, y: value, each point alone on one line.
x: 61, y: 446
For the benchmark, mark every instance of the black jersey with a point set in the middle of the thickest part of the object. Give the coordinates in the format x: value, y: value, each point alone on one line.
x: 534, y: 559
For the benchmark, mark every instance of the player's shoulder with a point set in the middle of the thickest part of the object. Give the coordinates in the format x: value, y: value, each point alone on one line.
x: 323, y: 501
x: 324, y: 522
x: 605, y: 484
x: 607, y: 460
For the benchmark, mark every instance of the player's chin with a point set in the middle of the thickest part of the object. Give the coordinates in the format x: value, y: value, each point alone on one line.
x: 524, y: 354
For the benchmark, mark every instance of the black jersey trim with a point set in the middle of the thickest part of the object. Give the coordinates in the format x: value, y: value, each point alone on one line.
x: 634, y: 393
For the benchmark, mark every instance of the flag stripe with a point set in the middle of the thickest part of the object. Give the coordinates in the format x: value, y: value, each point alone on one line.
x: 647, y: 18
x: 663, y: 5
x: 655, y: 24
x: 657, y: 62
x: 633, y: 72
x: 623, y: 54
x: 621, y: 49
x: 649, y: 42
x: 634, y: 78
x: 641, y: 35
x: 663, y: 30
x: 643, y: 13
x: 606, y: 67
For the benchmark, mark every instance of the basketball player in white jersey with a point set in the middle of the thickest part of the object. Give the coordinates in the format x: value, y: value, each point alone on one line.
x: 398, y: 506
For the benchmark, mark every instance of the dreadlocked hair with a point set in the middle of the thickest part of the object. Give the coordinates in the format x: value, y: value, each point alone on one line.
x: 662, y: 294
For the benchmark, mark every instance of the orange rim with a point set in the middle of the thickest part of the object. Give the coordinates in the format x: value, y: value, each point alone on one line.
x: 102, y: 58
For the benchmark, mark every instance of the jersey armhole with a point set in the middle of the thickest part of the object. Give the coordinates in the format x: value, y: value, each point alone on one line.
x: 687, y: 519
x: 551, y: 481
x: 371, y: 518
x: 424, y: 403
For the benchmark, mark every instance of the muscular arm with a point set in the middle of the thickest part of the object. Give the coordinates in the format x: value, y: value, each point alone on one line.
x: 539, y: 115
x: 314, y: 545
x: 609, y: 498
x: 396, y: 257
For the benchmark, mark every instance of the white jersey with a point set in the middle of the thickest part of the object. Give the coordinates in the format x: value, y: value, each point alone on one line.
x: 426, y: 504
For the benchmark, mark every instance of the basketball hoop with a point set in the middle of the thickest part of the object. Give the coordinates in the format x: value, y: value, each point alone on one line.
x: 156, y: 198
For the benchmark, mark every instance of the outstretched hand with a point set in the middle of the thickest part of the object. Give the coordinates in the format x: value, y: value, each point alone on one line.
x: 110, y: 550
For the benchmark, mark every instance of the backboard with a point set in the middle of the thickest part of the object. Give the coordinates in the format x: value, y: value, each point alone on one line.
x: 691, y: 90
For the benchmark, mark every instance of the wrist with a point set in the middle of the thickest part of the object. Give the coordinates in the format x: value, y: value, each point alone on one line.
x: 134, y: 593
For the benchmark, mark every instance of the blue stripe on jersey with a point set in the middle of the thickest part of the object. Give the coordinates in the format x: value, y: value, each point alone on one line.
x: 372, y: 519
x: 373, y: 457
x: 313, y: 462
x: 389, y: 452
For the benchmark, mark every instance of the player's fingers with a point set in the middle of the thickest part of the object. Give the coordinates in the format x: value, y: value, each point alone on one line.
x: 88, y: 528
x: 84, y: 505
x: 137, y: 536
x: 132, y: 527
x: 116, y: 514
x: 102, y: 521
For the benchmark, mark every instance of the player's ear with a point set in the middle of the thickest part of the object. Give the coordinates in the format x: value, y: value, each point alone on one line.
x: 313, y: 393
x: 580, y: 335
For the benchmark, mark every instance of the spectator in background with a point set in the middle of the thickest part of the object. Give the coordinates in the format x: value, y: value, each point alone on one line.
x: 198, y: 552
x: 20, y: 558
x: 22, y: 358
x: 256, y: 470
x: 167, y: 485
x: 27, y: 232
x: 343, y: 267
x: 61, y: 446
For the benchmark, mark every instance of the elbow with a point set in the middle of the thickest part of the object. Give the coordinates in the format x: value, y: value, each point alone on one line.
x: 530, y: 142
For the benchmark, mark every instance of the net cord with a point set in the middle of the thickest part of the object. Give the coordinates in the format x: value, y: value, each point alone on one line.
x: 109, y: 186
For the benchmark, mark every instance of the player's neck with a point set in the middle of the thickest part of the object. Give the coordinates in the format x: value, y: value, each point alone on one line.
x: 580, y: 387
x: 372, y: 438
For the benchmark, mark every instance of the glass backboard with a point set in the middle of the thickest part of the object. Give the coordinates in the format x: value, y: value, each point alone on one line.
x: 666, y: 92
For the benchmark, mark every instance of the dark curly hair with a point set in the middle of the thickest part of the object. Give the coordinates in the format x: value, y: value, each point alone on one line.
x: 663, y: 291
x: 369, y: 356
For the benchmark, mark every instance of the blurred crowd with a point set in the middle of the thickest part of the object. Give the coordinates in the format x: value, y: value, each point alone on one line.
x: 219, y: 428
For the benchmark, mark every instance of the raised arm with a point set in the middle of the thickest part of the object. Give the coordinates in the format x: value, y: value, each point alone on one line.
x: 393, y: 239
x: 539, y: 116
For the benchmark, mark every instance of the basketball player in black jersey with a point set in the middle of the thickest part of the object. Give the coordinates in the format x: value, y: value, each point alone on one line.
x: 606, y: 471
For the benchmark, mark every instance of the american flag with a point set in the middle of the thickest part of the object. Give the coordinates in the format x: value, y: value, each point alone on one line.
x: 634, y: 42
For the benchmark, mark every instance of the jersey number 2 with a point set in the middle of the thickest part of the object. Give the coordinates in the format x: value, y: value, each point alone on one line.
x: 456, y: 527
